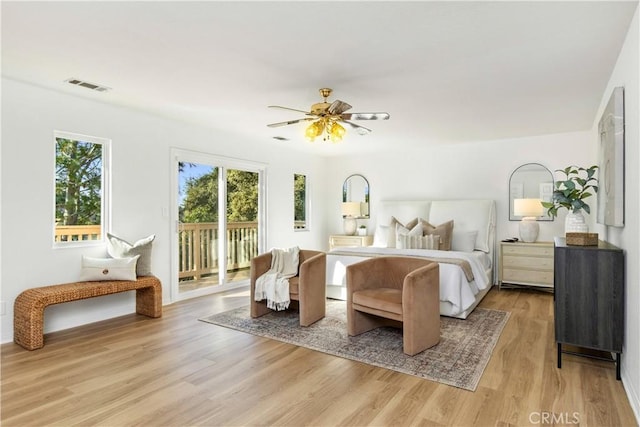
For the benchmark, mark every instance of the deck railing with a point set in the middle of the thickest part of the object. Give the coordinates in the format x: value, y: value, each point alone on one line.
x: 198, y: 245
x: 72, y: 233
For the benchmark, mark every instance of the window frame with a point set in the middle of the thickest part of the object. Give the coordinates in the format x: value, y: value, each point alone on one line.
x: 105, y: 182
x: 306, y: 203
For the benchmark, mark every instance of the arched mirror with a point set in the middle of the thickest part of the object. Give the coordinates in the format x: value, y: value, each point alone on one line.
x: 530, y: 181
x: 356, y: 189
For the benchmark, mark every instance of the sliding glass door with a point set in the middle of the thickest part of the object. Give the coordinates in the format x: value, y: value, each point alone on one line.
x: 241, y: 222
x: 218, y: 222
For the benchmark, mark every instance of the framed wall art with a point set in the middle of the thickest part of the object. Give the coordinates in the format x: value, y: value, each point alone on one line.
x: 611, y: 161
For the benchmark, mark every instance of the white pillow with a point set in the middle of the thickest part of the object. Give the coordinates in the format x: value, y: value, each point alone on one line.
x: 120, y: 248
x: 463, y: 241
x: 381, y: 236
x: 97, y: 269
x: 402, y: 231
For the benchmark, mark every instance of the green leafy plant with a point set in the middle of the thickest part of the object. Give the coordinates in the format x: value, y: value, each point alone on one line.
x: 571, y: 192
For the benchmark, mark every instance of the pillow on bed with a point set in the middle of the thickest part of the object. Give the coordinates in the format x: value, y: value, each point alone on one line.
x: 381, y: 236
x: 444, y: 230
x: 393, y: 235
x: 404, y: 235
x: 431, y: 241
x: 463, y: 241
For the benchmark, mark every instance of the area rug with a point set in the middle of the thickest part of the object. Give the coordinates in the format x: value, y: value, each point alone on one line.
x: 458, y: 360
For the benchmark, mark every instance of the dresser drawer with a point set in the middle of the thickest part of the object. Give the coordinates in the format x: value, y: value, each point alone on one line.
x: 523, y: 250
x: 527, y: 264
x: 358, y: 241
x: 527, y: 276
x: 346, y: 241
x: 530, y: 263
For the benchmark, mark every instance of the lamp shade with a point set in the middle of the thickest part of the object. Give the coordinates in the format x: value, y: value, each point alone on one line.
x: 527, y: 207
x: 351, y: 209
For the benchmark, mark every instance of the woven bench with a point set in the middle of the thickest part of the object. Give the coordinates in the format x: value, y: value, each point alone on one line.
x: 28, y: 309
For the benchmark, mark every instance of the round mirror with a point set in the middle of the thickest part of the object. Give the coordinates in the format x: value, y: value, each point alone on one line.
x: 530, y: 181
x: 356, y: 189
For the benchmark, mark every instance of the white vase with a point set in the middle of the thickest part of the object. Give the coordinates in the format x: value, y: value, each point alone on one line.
x: 575, y: 223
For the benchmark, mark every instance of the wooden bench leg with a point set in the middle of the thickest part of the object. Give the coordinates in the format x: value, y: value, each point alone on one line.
x: 149, y: 302
x: 28, y: 324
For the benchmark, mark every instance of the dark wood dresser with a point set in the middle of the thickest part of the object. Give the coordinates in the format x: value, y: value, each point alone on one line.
x: 589, y: 298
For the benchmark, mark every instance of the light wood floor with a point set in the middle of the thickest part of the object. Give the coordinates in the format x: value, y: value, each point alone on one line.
x: 176, y: 371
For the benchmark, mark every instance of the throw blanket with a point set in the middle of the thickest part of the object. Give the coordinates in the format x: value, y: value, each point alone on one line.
x: 463, y: 264
x: 274, y: 284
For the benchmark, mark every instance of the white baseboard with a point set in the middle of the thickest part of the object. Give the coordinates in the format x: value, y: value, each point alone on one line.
x: 632, y: 395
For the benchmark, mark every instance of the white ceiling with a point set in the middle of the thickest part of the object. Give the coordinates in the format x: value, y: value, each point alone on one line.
x: 446, y: 71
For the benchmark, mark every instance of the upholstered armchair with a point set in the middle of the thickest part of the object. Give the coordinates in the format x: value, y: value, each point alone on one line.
x: 396, y: 291
x: 307, y: 290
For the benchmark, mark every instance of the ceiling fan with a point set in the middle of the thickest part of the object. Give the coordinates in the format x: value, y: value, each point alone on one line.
x: 326, y: 118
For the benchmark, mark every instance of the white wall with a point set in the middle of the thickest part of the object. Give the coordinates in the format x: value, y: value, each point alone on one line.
x: 626, y: 74
x: 140, y: 191
x: 478, y: 170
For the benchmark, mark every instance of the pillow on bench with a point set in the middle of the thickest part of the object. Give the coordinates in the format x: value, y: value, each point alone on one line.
x: 120, y: 248
x: 98, y: 269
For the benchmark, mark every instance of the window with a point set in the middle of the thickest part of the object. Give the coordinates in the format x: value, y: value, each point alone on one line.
x: 81, y: 166
x: 300, y: 202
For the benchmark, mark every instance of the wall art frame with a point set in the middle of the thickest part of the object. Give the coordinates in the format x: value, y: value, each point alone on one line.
x: 611, y: 161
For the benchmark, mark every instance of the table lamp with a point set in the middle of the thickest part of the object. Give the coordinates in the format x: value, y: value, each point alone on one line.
x: 350, y: 211
x: 529, y: 209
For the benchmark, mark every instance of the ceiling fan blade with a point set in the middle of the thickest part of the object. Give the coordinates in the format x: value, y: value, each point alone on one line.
x: 360, y: 129
x: 290, y: 109
x: 290, y: 122
x: 338, y: 107
x: 365, y: 116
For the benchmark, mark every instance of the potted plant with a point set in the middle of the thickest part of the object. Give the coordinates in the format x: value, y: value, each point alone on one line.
x: 362, y: 230
x: 570, y: 193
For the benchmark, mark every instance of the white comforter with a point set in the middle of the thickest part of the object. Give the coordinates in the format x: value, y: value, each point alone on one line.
x: 454, y: 287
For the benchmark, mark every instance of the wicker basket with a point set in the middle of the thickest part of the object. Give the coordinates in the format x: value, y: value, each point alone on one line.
x: 582, y: 239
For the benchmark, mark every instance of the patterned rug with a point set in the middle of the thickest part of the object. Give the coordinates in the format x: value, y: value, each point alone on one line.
x: 458, y: 360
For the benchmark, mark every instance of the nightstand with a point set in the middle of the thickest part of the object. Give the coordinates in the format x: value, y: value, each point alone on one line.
x: 526, y: 264
x: 342, y: 240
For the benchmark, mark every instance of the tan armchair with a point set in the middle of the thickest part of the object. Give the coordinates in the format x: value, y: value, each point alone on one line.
x: 307, y: 290
x: 396, y: 291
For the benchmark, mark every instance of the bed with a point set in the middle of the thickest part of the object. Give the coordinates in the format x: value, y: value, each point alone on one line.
x: 466, y: 270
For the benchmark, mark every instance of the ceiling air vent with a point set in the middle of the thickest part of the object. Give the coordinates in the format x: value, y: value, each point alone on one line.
x: 92, y: 86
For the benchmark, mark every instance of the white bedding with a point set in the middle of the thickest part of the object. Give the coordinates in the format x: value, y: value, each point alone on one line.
x: 455, y: 289
x: 458, y: 296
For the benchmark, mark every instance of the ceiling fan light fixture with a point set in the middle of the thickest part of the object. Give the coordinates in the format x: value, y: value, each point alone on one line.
x: 337, y: 132
x: 325, y: 117
x: 314, y: 129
